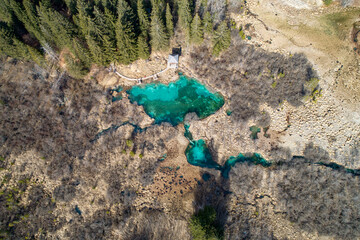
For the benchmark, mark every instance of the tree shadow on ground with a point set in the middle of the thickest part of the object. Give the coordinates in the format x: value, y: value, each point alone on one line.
x: 250, y: 76
x: 314, y: 197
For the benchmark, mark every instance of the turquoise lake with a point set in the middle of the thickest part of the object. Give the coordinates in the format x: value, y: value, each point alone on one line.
x: 170, y: 103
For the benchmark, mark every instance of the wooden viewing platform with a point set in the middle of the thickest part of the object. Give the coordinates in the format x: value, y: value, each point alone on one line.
x: 172, y: 63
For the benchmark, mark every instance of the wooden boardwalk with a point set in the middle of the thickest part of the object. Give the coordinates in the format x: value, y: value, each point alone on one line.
x: 139, y: 80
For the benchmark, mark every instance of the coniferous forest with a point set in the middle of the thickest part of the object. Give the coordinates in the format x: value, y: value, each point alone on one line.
x: 82, y: 33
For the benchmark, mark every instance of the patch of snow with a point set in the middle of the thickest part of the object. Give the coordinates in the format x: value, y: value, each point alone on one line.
x: 302, y: 4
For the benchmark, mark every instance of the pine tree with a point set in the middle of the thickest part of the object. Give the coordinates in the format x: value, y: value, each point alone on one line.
x: 125, y: 33
x: 11, y: 46
x: 110, y: 20
x: 97, y: 53
x: 184, y: 13
x: 208, y: 23
x: 55, y: 27
x: 36, y: 56
x: 28, y: 18
x: 6, y: 14
x: 95, y: 42
x: 203, y: 7
x: 221, y: 38
x: 34, y: 21
x: 159, y: 40
x: 169, y: 22
x: 80, y: 52
x: 104, y: 28
x: 143, y: 47
x: 75, y: 67
x: 143, y: 17
x: 82, y: 18
x: 71, y: 5
x: 197, y: 34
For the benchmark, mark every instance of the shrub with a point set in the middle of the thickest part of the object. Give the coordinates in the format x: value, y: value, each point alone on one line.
x: 203, y: 225
x: 327, y: 2
x: 129, y: 143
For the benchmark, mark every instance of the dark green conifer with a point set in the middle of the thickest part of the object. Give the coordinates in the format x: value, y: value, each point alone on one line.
x: 208, y: 23
x: 143, y: 17
x: 143, y: 47
x: 33, y: 24
x: 6, y: 14
x: 55, y: 27
x: 221, y: 38
x: 71, y: 5
x: 197, y: 34
x: 82, y: 18
x: 80, y: 52
x: 159, y: 39
x: 169, y: 22
x: 97, y: 54
x: 125, y: 34
x: 11, y: 46
x: 75, y: 67
x: 185, y: 16
x: 104, y: 29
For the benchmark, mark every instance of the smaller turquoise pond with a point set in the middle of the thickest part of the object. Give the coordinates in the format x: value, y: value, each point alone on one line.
x: 170, y: 103
x: 198, y: 154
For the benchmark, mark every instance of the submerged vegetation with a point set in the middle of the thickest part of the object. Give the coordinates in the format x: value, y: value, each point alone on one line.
x: 170, y: 103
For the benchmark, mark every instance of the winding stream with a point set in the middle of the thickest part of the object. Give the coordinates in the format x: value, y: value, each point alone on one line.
x: 170, y: 103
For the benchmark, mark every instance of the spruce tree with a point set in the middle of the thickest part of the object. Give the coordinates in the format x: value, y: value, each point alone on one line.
x: 36, y: 56
x: 110, y: 20
x: 221, y: 38
x: 55, y: 27
x: 143, y: 47
x: 197, y: 34
x: 109, y: 48
x: 159, y: 40
x: 82, y: 18
x: 208, y: 23
x: 125, y: 34
x: 71, y: 5
x: 80, y: 52
x: 34, y: 21
x: 104, y: 30
x: 11, y: 46
x: 169, y: 22
x: 6, y: 14
x: 143, y: 17
x: 95, y: 43
x: 75, y: 67
x: 97, y: 53
x: 202, y: 7
x: 185, y: 16
x: 26, y: 14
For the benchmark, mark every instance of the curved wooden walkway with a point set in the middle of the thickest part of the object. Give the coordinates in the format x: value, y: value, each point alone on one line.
x: 139, y: 80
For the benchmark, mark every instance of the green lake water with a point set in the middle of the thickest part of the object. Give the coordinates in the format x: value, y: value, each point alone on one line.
x: 198, y: 154
x: 170, y: 103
